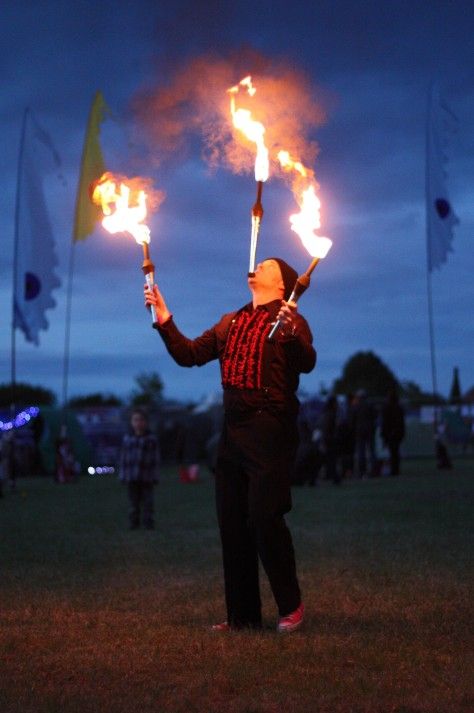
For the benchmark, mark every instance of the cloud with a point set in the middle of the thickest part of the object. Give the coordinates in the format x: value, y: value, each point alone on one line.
x: 368, y: 65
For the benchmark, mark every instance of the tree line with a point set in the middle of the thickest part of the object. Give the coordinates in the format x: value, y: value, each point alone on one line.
x: 363, y: 370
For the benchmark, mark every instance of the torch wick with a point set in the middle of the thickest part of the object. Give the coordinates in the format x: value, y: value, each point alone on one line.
x: 314, y: 262
x: 147, y: 265
x: 257, y: 210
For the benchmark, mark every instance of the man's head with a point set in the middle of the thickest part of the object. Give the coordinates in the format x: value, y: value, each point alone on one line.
x: 273, y: 278
x: 139, y: 422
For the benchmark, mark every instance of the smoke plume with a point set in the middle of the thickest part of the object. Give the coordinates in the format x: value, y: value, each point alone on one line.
x: 194, y: 102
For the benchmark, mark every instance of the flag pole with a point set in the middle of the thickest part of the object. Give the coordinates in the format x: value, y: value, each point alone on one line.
x: 441, y: 452
x: 70, y: 282
x: 15, y: 251
x: 67, y: 338
x: 428, y: 168
x: 16, y: 239
x: 79, y: 231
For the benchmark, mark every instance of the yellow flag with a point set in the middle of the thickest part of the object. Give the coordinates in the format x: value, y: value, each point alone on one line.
x: 92, y: 167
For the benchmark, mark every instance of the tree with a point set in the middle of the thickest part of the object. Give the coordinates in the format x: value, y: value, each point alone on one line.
x: 150, y: 391
x: 365, y: 370
x: 455, y: 393
x: 412, y: 393
x: 26, y: 395
x: 96, y: 399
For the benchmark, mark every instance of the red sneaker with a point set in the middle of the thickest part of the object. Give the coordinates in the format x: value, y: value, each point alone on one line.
x: 223, y: 626
x: 292, y: 621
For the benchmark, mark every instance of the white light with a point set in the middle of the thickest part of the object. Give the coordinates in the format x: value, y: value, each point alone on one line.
x: 91, y: 470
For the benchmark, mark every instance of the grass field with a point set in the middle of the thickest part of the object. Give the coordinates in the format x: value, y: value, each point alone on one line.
x: 97, y: 619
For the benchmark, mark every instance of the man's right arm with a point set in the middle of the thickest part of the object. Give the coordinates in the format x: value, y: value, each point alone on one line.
x: 188, y: 352
x: 185, y: 352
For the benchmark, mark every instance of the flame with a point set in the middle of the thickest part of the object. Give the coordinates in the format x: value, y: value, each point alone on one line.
x: 289, y: 164
x: 253, y: 130
x: 307, y: 221
x: 125, y: 218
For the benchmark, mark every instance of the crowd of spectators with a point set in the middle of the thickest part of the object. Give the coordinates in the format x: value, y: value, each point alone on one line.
x: 341, y: 442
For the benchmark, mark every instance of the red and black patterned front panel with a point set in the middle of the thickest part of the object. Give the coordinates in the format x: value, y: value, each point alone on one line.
x: 242, y: 364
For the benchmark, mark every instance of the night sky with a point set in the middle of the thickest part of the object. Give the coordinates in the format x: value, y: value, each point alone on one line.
x: 369, y: 67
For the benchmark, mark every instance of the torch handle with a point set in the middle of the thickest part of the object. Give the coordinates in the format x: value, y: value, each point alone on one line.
x: 148, y: 269
x: 150, y: 280
x: 257, y: 215
x: 253, y: 243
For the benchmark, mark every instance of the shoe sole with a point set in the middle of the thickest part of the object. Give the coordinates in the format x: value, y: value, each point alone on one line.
x: 289, y: 627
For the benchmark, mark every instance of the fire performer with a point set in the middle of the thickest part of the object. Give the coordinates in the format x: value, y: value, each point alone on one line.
x: 259, y: 438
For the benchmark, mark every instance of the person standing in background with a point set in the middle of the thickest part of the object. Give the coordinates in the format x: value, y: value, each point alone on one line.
x: 365, y: 420
x: 138, y: 469
x: 393, y: 430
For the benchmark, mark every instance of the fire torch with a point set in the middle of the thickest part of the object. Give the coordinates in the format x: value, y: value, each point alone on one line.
x: 304, y: 224
x: 126, y: 218
x: 254, y: 131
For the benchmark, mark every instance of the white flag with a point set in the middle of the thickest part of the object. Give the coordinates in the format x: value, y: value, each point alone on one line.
x: 440, y: 216
x: 36, y: 256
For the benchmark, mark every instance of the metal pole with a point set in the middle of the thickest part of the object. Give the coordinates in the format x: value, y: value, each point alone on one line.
x: 16, y: 238
x: 67, y: 332
x: 67, y: 338
x: 434, y: 379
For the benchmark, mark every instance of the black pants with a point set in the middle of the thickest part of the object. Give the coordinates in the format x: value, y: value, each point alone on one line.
x: 331, y: 460
x: 140, y: 495
x: 256, y: 454
x: 394, y: 450
x: 364, y: 444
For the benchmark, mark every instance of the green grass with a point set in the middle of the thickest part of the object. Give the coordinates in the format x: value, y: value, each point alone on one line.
x: 97, y: 619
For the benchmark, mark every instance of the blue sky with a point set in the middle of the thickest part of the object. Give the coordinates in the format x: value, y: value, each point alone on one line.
x: 370, y: 65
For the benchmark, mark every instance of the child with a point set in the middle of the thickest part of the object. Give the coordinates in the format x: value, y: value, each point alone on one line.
x: 139, y: 461
x: 66, y: 468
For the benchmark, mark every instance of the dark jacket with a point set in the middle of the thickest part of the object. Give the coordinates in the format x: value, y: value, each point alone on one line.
x: 393, y: 423
x: 365, y: 420
x: 139, y: 458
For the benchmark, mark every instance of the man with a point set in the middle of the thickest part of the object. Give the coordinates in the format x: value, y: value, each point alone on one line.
x: 365, y: 420
x: 259, y: 438
x: 393, y: 429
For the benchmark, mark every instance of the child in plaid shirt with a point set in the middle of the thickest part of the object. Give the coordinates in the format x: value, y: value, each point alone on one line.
x: 139, y: 463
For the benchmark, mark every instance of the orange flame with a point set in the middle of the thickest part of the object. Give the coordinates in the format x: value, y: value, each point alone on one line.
x: 307, y: 221
x: 253, y: 130
x: 289, y: 164
x: 124, y: 218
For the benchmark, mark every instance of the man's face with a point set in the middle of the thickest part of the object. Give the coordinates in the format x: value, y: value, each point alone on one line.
x: 139, y: 424
x: 267, y: 275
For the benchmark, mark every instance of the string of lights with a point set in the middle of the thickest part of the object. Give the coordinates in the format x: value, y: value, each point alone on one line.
x: 21, y: 419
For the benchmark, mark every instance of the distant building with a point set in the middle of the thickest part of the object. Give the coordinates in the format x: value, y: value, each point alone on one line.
x: 103, y: 427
